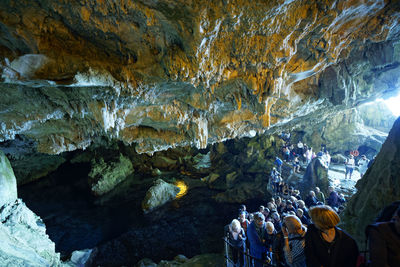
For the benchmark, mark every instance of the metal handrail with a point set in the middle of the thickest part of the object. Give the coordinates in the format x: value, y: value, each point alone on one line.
x: 248, y: 258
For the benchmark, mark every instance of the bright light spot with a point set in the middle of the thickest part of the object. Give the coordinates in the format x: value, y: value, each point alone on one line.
x: 183, y: 189
x: 393, y: 104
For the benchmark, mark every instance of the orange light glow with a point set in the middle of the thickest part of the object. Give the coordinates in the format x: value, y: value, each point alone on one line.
x: 183, y: 189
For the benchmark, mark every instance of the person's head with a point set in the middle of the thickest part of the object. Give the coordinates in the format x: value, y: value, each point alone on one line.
x: 293, y: 224
x: 278, y: 201
x: 270, y: 227
x: 251, y: 217
x: 301, y: 203
x: 317, y: 189
x: 259, y: 219
x: 275, y: 216
x: 270, y: 205
x: 324, y: 217
x: 266, y: 211
x: 242, y: 207
x: 261, y: 209
x: 299, y: 213
x: 330, y: 189
x: 242, y: 216
x: 312, y: 193
x: 293, y: 199
x: 364, y: 157
x: 235, y: 226
x: 351, y: 156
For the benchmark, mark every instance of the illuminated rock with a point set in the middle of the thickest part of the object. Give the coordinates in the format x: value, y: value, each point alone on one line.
x: 8, y: 183
x: 165, y: 74
x: 104, y: 176
x: 24, y: 241
x: 159, y: 194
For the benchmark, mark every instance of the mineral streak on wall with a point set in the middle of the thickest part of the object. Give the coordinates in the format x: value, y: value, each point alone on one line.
x: 189, y: 72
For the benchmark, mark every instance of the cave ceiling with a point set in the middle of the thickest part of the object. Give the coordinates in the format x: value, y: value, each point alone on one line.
x: 165, y: 73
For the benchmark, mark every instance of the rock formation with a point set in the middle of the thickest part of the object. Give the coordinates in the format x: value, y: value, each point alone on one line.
x: 8, y: 184
x: 316, y: 175
x: 148, y: 76
x: 379, y: 187
x: 162, y: 74
x: 23, y: 235
x: 159, y: 194
x: 103, y: 176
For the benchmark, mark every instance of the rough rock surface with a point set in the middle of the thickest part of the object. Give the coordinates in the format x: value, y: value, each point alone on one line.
x: 316, y: 175
x: 27, y: 163
x: 166, y: 74
x: 23, y: 238
x: 379, y: 187
x: 8, y: 184
x: 104, y: 176
x: 23, y: 234
x: 159, y: 194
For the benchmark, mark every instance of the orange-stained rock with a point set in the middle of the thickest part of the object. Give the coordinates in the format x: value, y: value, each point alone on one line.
x: 185, y: 68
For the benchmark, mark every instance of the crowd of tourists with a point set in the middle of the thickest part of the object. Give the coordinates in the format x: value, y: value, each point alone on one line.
x: 290, y: 231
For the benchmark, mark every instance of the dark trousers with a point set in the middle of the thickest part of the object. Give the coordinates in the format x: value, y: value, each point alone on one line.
x: 238, y: 256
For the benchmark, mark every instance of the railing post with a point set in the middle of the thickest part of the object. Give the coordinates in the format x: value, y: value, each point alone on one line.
x: 226, y: 251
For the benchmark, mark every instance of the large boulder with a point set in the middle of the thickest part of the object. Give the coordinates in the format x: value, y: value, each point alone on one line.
x: 316, y: 175
x: 104, y: 176
x: 8, y: 183
x: 159, y: 194
x: 24, y: 241
x: 379, y: 187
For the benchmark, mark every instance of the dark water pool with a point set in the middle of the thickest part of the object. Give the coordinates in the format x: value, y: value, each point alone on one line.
x: 116, y: 225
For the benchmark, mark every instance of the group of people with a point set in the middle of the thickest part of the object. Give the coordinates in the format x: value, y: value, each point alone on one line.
x: 290, y: 231
x: 277, y: 233
x: 350, y: 163
x: 292, y: 238
x: 280, y: 235
x: 301, y: 153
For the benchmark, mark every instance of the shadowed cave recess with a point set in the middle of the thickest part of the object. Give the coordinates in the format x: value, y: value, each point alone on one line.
x: 131, y: 131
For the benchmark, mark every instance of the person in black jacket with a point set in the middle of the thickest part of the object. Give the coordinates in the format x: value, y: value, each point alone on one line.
x: 327, y: 245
